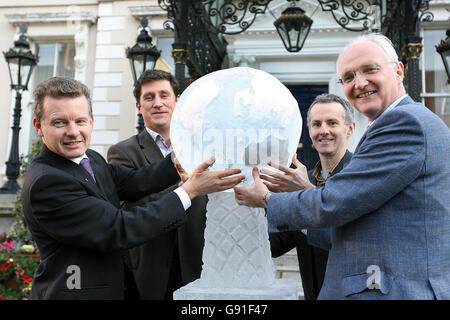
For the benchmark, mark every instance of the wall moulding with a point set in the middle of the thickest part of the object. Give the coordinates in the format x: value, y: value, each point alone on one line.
x: 51, y: 17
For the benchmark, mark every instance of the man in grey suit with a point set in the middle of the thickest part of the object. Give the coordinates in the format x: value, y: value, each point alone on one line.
x: 173, y: 259
x: 389, y: 209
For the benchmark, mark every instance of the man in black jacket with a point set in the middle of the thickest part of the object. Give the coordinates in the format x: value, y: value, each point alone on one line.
x: 71, y: 200
x: 330, y: 123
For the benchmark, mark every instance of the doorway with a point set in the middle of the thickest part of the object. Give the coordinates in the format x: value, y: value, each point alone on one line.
x: 305, y: 95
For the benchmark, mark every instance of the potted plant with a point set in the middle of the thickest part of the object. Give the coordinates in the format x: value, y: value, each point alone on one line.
x: 19, y: 256
x: 16, y: 271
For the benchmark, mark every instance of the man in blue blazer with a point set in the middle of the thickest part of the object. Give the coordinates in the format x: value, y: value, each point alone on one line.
x: 73, y: 208
x: 389, y: 209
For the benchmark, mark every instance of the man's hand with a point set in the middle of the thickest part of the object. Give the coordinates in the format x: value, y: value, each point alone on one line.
x: 203, y: 182
x: 252, y: 196
x: 288, y: 181
x: 184, y: 176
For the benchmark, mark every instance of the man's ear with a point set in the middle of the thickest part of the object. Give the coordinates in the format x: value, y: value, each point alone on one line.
x: 177, y: 98
x: 351, y: 129
x: 37, y: 127
x: 138, y: 107
x: 400, y: 70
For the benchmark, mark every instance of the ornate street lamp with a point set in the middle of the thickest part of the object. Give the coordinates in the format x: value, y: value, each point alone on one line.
x: 444, y: 50
x: 142, y: 56
x: 21, y: 62
x: 293, y: 27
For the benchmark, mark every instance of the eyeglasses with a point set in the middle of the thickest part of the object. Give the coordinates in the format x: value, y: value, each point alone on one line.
x: 364, y: 71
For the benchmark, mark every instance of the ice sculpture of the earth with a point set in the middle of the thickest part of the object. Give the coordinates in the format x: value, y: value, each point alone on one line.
x: 242, y: 116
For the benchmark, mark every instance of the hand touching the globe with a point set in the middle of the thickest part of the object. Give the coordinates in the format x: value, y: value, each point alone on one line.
x: 201, y: 181
x: 184, y: 176
x: 289, y: 180
x: 252, y: 196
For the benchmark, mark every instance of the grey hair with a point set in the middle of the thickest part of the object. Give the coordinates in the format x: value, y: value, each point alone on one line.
x: 348, y: 113
x: 384, y: 42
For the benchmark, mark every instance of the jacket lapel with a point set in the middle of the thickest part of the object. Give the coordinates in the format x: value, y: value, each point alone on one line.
x: 77, y: 171
x: 405, y: 100
x: 99, y: 172
x: 149, y: 147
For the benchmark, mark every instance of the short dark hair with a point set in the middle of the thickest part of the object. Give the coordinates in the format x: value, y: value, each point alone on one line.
x: 330, y: 98
x: 58, y: 87
x: 154, y: 75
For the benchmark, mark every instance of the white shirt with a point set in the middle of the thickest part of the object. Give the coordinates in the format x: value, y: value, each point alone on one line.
x: 78, y: 160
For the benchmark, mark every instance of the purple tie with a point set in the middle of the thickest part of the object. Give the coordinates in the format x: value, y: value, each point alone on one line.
x: 87, y: 165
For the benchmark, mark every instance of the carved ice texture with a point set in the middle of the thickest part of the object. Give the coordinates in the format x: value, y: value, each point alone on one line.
x: 237, y: 250
x: 244, y: 117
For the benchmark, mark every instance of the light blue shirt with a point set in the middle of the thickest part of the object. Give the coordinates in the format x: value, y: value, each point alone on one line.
x: 165, y: 150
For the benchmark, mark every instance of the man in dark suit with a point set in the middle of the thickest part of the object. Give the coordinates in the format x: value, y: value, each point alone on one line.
x: 330, y: 123
x: 173, y: 259
x: 71, y: 200
x: 389, y: 208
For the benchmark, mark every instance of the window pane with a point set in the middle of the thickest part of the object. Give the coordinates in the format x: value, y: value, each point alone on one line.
x: 435, y: 75
x: 44, y: 68
x: 66, y: 62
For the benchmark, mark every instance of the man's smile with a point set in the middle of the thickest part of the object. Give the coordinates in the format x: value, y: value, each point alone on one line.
x: 366, y: 94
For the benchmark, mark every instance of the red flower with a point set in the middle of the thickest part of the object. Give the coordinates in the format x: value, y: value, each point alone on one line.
x: 5, y: 266
x: 2, y: 298
x: 26, y: 279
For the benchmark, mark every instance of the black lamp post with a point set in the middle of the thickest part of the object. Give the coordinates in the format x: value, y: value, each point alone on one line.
x: 444, y: 50
x: 293, y: 27
x: 142, y: 56
x: 21, y: 62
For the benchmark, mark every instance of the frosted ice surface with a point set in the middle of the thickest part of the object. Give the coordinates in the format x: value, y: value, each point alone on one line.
x: 242, y: 116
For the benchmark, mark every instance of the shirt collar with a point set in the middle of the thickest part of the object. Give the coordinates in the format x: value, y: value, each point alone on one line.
x: 153, y: 134
x: 78, y: 159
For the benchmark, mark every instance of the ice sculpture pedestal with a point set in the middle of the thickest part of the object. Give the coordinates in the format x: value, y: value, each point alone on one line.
x: 281, y: 289
x: 237, y: 263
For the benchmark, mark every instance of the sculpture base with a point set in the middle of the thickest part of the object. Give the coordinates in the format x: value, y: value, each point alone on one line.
x: 281, y: 289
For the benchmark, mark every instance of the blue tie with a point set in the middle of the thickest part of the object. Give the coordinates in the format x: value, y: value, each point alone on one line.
x: 87, y: 166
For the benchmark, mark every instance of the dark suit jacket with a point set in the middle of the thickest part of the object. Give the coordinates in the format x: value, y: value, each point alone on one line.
x: 312, y: 260
x: 78, y: 225
x: 153, y: 261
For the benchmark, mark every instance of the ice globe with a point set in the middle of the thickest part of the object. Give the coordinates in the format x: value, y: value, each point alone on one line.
x: 242, y: 116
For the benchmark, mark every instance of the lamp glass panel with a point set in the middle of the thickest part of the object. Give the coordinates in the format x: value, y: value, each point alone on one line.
x: 138, y: 62
x: 13, y: 64
x: 149, y: 62
x: 283, y: 34
x: 293, y: 37
x: 24, y: 72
